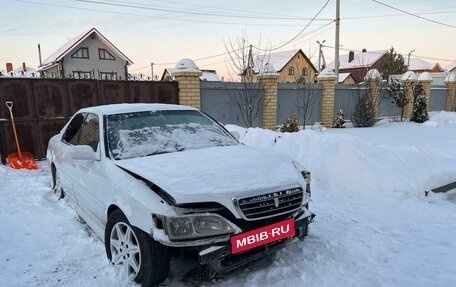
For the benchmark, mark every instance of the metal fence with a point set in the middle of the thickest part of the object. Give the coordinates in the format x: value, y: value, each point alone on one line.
x: 42, y: 106
x: 437, y: 99
x: 301, y: 99
x: 217, y: 100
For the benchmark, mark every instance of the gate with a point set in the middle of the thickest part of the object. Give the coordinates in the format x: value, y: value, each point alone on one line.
x: 43, y: 106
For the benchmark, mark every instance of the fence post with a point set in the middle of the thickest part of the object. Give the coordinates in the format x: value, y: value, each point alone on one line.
x: 450, y: 82
x: 328, y: 84
x: 425, y: 79
x: 270, y: 81
x: 373, y: 80
x: 187, y: 75
x: 408, y: 79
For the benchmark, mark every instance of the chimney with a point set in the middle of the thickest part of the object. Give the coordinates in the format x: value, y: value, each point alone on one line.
x: 9, y: 67
x: 24, y: 67
x: 351, y: 56
x: 364, y: 50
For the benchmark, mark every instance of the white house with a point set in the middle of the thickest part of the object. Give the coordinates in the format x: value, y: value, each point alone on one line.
x: 87, y: 56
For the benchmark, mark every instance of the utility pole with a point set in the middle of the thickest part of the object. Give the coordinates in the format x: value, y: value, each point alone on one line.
x: 408, y: 60
x: 336, y: 56
x: 152, y: 70
x: 320, y: 54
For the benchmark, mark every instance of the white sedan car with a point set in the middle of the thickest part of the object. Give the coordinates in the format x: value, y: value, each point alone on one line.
x: 149, y: 178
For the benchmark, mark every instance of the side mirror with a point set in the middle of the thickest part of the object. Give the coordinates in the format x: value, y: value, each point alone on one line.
x: 82, y: 152
x: 235, y: 134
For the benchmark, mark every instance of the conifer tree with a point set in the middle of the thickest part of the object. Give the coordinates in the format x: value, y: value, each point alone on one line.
x: 419, y: 113
x: 339, y: 121
x: 290, y: 125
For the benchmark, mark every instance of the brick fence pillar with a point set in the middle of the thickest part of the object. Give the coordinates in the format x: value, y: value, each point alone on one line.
x: 450, y: 82
x: 187, y: 75
x: 425, y: 79
x: 328, y: 84
x: 408, y: 80
x: 270, y: 82
x: 373, y: 81
x: 189, y: 88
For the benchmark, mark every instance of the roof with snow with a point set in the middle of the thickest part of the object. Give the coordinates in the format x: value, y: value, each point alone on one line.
x: 420, y: 64
x: 451, y: 67
x: 343, y: 77
x: 72, y: 43
x: 360, y: 60
x: 278, y: 60
x: 207, y: 75
x: 29, y: 72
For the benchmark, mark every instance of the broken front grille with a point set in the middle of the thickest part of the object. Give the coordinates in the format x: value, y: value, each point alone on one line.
x: 270, y: 204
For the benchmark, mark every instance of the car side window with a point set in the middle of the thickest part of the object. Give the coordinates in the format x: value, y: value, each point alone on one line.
x: 73, y: 127
x: 86, y: 134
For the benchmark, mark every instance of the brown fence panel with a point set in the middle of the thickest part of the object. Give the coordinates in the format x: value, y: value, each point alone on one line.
x: 20, y: 92
x: 140, y: 92
x: 51, y: 98
x: 112, y: 92
x: 165, y: 92
x: 82, y: 94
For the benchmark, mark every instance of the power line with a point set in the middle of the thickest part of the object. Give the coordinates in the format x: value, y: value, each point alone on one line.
x: 192, y: 12
x: 226, y: 53
x: 300, y: 32
x: 150, y: 16
x: 396, y: 15
x: 203, y: 6
x: 414, y: 15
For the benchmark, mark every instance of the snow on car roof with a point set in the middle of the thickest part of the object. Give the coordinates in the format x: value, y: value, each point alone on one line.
x: 128, y: 108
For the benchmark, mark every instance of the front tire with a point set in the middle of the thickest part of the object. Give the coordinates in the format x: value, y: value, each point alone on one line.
x: 143, y: 259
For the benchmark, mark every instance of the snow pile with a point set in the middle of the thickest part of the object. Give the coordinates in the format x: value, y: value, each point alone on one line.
x: 374, y: 226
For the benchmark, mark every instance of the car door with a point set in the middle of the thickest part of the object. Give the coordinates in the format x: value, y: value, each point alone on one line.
x: 63, y: 159
x: 89, y: 176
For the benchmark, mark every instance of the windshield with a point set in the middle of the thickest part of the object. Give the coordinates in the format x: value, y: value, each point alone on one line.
x: 140, y: 134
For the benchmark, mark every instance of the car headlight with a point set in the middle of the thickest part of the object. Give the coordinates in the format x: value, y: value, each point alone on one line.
x: 307, y: 177
x: 196, y: 226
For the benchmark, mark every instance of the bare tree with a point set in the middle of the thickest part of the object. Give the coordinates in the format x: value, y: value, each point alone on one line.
x: 247, y: 62
x: 305, y: 102
x: 397, y: 93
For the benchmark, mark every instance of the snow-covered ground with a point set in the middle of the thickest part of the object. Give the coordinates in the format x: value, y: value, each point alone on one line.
x: 374, y: 225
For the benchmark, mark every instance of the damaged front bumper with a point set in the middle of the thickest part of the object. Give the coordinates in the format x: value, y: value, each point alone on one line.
x: 221, y: 259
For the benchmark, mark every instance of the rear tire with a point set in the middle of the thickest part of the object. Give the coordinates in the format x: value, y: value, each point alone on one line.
x: 55, y: 183
x: 143, y: 259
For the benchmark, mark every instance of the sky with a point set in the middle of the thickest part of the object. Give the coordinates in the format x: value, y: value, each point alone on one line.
x: 374, y: 226
x: 164, y: 32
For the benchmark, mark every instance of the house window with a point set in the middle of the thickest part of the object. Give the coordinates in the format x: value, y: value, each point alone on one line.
x: 108, y: 76
x: 291, y: 71
x: 82, y: 75
x: 82, y: 53
x: 105, y: 55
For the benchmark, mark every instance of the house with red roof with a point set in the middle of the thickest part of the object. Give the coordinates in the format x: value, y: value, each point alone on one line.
x: 419, y: 66
x: 357, y: 64
x: 89, y: 55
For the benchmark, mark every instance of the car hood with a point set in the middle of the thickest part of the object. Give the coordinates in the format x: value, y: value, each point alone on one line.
x: 215, y: 174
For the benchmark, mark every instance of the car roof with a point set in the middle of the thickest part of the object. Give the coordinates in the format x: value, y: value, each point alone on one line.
x: 129, y: 108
